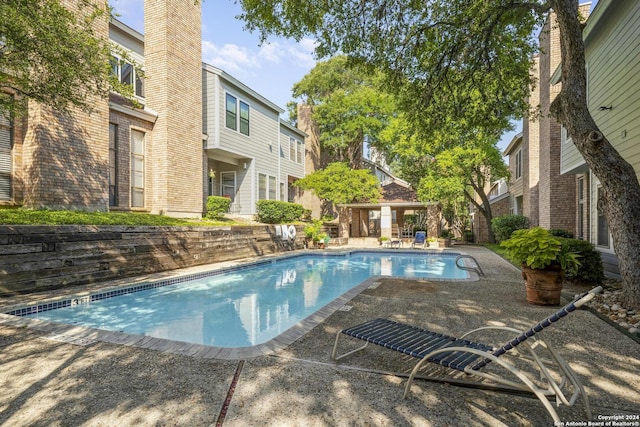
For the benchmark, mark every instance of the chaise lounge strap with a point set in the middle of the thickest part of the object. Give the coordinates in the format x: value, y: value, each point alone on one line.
x: 416, y: 342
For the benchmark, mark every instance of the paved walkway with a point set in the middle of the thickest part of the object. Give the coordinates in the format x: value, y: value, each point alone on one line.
x: 50, y: 382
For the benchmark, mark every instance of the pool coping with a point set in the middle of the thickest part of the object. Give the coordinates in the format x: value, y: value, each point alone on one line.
x: 82, y: 335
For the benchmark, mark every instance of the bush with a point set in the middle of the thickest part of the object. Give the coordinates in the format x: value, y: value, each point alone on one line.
x: 277, y: 212
x: 216, y: 206
x: 559, y: 232
x: 503, y: 226
x: 590, y: 269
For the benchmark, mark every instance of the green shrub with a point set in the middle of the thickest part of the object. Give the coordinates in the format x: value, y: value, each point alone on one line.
x: 590, y: 269
x: 559, y: 232
x: 537, y: 249
x: 216, y: 206
x: 503, y: 226
x: 277, y: 212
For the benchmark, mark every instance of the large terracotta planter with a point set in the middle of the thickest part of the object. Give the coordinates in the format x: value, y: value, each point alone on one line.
x: 543, y: 286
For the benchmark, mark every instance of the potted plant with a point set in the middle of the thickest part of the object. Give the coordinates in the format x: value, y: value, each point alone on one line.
x: 445, y: 238
x: 544, y: 261
x: 382, y: 240
x: 313, y: 232
x: 321, y: 240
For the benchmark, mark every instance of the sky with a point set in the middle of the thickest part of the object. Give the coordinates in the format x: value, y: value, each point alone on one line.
x: 270, y: 69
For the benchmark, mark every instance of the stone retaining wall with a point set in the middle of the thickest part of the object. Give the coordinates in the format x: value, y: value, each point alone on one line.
x: 35, y: 258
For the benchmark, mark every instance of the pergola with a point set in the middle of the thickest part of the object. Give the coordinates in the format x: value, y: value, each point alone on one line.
x: 385, y: 219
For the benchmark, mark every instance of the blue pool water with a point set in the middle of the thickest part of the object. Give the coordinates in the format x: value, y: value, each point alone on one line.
x: 249, y: 306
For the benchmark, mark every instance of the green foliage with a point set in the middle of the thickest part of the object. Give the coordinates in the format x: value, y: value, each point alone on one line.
x: 536, y: 248
x: 52, y: 54
x: 337, y: 183
x: 277, y: 212
x: 348, y: 107
x: 446, y: 233
x: 50, y: 217
x: 559, y: 232
x: 217, y: 206
x: 456, y: 59
x: 313, y: 230
x: 504, y: 225
x: 590, y: 269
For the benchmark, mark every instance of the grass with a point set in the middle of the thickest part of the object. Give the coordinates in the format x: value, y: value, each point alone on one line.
x: 14, y: 216
x: 495, y: 247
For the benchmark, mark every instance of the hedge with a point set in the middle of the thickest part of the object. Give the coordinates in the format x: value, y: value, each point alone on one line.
x: 277, y: 212
x: 216, y: 206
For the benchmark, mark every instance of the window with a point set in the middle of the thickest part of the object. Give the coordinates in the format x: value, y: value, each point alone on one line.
x: 6, y: 137
x: 282, y: 191
x: 292, y: 149
x: 262, y: 186
x: 228, y: 185
x: 272, y: 188
x: 603, y: 227
x: 137, y: 168
x: 244, y: 118
x: 564, y: 135
x: 113, y: 164
x: 300, y: 152
x: 519, y: 164
x: 581, y: 208
x: 127, y: 74
x: 231, y: 109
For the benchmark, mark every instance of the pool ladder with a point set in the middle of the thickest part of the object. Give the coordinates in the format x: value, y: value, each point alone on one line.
x: 477, y: 267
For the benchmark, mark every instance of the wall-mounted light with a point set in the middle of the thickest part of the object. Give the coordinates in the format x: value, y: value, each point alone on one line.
x: 602, y: 108
x: 244, y: 165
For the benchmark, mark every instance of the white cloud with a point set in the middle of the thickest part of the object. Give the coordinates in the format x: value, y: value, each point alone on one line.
x: 229, y: 57
x: 270, y: 52
x: 233, y: 58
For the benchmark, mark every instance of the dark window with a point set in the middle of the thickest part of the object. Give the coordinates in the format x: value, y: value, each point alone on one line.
x: 231, y: 108
x: 113, y: 164
x: 603, y: 227
x: 244, y: 118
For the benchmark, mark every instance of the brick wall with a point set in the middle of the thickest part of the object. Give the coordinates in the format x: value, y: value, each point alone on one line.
x: 531, y: 152
x: 557, y: 194
x: 64, y: 158
x: 173, y: 70
x: 36, y: 258
x: 124, y: 124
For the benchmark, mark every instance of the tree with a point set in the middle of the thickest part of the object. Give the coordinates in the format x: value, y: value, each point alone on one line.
x: 472, y: 55
x: 465, y: 169
x: 339, y: 184
x: 52, y: 54
x: 348, y: 106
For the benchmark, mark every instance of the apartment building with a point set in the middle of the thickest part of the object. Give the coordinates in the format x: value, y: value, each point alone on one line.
x: 612, y: 56
x: 195, y: 131
x: 251, y: 154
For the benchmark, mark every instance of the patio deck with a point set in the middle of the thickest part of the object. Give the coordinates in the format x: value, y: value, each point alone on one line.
x: 52, y: 382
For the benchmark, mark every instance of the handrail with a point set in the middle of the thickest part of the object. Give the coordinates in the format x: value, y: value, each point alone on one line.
x: 477, y: 268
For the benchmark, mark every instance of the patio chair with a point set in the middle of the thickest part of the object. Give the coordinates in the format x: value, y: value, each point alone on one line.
x: 420, y: 239
x: 396, y: 238
x: 464, y: 356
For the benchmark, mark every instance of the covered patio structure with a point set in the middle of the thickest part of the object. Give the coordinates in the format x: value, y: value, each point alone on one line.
x: 389, y: 219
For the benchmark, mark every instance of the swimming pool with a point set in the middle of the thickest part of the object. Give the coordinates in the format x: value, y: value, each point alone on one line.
x: 243, y: 306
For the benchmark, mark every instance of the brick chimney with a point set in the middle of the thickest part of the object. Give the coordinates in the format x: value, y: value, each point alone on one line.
x: 173, y: 88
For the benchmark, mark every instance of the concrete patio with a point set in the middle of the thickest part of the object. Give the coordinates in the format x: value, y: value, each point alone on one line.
x: 46, y: 382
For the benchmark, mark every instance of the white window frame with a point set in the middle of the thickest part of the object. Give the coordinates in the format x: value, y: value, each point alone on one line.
x: 263, y: 193
x: 136, y: 81
x: 518, y: 164
x: 237, y: 112
x: 6, y: 158
x: 223, y: 193
x: 137, y: 157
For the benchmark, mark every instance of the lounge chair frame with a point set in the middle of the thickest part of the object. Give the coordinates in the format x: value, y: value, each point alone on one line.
x: 468, y: 357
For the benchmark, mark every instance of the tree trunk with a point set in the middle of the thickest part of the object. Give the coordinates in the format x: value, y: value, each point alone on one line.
x: 621, y: 190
